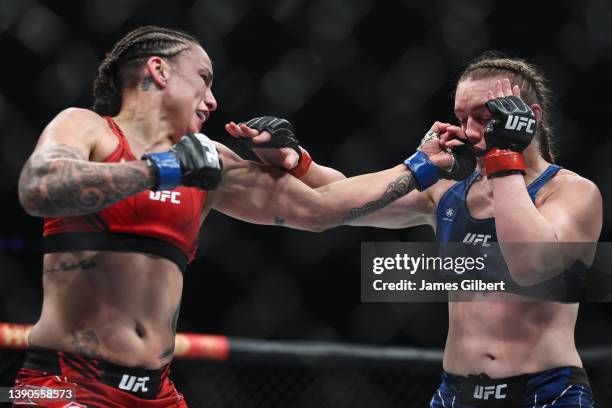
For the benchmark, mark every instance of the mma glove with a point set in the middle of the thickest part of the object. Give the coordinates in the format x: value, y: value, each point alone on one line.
x: 427, y: 174
x: 507, y: 134
x: 192, y: 162
x: 282, y: 135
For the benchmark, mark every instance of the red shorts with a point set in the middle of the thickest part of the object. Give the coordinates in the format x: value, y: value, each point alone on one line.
x: 86, y: 382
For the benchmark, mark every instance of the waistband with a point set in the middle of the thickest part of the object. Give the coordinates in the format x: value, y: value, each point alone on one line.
x: 107, y: 241
x: 511, y: 391
x: 138, y: 381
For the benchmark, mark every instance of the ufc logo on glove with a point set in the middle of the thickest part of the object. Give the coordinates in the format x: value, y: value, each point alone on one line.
x: 518, y: 122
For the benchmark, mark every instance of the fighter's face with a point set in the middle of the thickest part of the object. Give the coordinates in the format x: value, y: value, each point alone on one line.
x: 189, y: 100
x: 471, y: 111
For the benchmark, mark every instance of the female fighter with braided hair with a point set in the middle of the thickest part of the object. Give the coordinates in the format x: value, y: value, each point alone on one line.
x: 509, y: 352
x: 124, y: 190
x: 503, y: 349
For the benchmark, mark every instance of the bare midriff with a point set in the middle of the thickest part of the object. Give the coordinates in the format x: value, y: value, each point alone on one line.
x: 116, y: 306
x: 509, y: 337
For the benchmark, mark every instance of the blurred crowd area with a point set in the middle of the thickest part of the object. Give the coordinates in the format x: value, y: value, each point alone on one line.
x: 361, y: 80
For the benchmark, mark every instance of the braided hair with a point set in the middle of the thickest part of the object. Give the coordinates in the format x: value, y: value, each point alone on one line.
x: 120, y: 67
x: 534, y: 89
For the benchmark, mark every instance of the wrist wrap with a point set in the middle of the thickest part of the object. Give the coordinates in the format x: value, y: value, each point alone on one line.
x: 167, y: 169
x: 424, y: 171
x: 303, y: 165
x: 502, y: 162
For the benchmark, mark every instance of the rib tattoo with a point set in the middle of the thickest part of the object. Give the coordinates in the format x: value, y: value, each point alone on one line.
x: 170, y: 350
x: 65, y: 266
x: 401, y: 186
x: 58, y: 180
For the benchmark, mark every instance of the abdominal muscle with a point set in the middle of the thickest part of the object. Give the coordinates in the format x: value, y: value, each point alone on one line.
x: 509, y: 337
x: 120, y: 307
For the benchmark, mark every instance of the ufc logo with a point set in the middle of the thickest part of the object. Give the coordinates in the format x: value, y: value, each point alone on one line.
x: 474, y: 239
x: 484, y: 392
x: 133, y: 383
x: 165, y: 195
x: 519, y: 122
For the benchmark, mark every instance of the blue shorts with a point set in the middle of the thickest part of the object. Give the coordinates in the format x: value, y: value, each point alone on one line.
x: 562, y: 387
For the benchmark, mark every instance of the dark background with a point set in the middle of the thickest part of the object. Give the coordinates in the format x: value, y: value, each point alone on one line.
x: 361, y: 81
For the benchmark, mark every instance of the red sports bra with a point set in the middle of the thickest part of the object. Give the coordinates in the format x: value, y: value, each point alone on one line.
x: 163, y: 223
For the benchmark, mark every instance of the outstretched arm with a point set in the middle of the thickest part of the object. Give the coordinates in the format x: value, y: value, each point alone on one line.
x: 263, y: 195
x: 387, y: 199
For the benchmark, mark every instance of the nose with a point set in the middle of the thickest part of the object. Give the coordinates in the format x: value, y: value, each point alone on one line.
x: 474, y: 131
x: 210, y: 101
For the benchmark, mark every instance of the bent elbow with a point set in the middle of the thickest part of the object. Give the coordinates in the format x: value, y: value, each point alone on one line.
x: 31, y: 199
x: 29, y: 203
x: 531, y: 272
x: 521, y: 276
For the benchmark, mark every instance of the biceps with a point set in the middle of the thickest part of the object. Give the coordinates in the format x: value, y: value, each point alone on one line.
x: 580, y: 223
x: 266, y: 196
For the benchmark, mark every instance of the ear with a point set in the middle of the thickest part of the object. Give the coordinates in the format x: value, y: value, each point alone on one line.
x: 537, y: 111
x: 157, y: 69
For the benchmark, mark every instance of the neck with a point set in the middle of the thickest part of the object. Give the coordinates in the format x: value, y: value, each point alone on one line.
x: 144, y: 123
x: 534, y: 162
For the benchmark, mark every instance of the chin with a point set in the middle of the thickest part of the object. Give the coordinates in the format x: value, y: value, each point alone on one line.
x: 191, y: 130
x: 196, y: 127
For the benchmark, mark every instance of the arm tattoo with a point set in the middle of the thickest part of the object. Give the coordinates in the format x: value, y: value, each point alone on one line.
x: 170, y: 350
x: 58, y: 181
x: 86, y: 343
x: 401, y: 186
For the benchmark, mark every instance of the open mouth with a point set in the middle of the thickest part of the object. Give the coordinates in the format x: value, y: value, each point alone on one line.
x: 201, y: 115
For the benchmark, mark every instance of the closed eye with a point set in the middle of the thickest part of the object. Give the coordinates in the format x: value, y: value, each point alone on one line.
x: 208, y: 78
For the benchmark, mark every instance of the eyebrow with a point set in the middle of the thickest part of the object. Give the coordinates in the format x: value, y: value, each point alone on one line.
x: 477, y: 109
x: 208, y: 76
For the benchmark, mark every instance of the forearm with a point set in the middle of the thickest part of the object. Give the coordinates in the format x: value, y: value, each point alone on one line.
x: 70, y: 186
x: 346, y: 201
x: 357, y: 197
x: 527, y: 240
x: 516, y: 217
x: 318, y: 176
x: 261, y: 195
